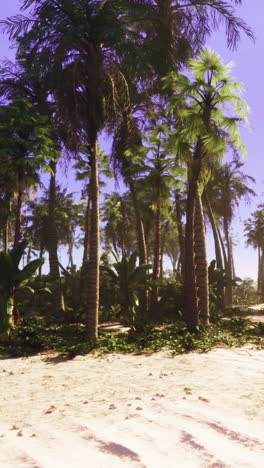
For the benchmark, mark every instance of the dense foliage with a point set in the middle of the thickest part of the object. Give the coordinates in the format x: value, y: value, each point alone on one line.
x: 137, y: 75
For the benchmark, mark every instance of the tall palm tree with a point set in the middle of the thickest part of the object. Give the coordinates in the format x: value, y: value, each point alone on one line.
x: 212, y: 219
x: 230, y: 184
x: 83, y: 39
x: 209, y: 129
x: 32, y: 81
x: 27, y: 146
x: 169, y: 32
x: 254, y: 232
x: 159, y: 167
x: 119, y: 229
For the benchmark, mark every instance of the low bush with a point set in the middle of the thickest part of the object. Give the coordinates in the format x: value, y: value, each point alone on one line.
x: 33, y: 336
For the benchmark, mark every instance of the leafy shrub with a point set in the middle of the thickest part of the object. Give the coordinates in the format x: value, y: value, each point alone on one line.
x: 171, y: 299
x: 246, y: 293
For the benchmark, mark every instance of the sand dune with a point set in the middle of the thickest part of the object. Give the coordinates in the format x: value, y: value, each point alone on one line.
x: 195, y: 410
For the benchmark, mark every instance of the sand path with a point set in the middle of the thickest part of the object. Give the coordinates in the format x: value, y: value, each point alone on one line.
x: 154, y: 411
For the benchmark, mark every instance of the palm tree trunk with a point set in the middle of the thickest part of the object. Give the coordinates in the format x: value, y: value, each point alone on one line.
x: 262, y: 274
x: 218, y: 256
x: 7, y: 207
x: 223, y: 249
x: 163, y: 241
x: 53, y: 240
x: 5, y: 236
x: 191, y: 312
x: 259, y: 271
x: 92, y: 296
x: 201, y: 269
x: 142, y: 247
x: 41, y: 251
x: 87, y: 230
x: 229, y: 288
x: 233, y: 262
x: 70, y: 246
x: 6, y: 314
x: 18, y: 222
x: 156, y: 262
x: 180, y: 234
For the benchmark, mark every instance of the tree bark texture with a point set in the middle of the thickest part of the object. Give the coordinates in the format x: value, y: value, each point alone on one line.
x: 18, y: 222
x: 191, y: 312
x: 142, y: 247
x: 53, y: 241
x: 6, y: 233
x: 229, y: 271
x: 87, y: 228
x: 156, y: 260
x: 92, y: 296
x: 223, y: 249
x: 201, y: 267
x: 218, y: 255
x: 180, y: 234
x: 262, y: 275
x: 259, y: 283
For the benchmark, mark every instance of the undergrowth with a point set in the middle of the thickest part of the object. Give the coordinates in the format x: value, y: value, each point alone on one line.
x: 32, y: 336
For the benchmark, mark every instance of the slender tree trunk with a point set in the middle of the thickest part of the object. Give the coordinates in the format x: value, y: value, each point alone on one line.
x: 70, y: 247
x: 180, y: 234
x: 87, y: 229
x: 92, y: 296
x: 163, y: 241
x: 218, y: 256
x: 18, y: 222
x: 262, y: 274
x: 41, y: 251
x: 7, y: 207
x: 86, y: 253
x: 223, y: 249
x: 142, y: 247
x: 201, y: 267
x: 5, y: 237
x: 229, y: 288
x: 139, y: 225
x: 259, y: 270
x: 6, y: 314
x: 156, y: 261
x: 232, y: 261
x: 191, y: 312
x: 53, y: 241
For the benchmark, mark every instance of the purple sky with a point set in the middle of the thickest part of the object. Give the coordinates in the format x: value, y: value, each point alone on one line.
x: 249, y: 69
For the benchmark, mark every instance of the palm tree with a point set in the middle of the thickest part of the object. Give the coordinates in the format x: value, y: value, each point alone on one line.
x: 254, y: 231
x: 32, y: 81
x: 208, y: 130
x: 82, y: 39
x: 159, y: 180
x: 170, y: 32
x: 27, y: 146
x: 230, y: 184
x: 119, y: 229
x: 212, y: 219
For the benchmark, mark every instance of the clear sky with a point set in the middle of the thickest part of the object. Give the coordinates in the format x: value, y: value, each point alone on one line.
x: 249, y: 69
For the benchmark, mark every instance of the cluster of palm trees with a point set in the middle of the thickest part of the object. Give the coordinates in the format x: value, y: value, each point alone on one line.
x: 254, y: 230
x: 87, y: 67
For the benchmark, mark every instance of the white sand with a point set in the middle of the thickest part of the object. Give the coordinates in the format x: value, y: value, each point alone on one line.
x: 133, y: 411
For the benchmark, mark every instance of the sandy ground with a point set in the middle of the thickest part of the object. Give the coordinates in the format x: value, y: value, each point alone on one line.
x: 155, y: 411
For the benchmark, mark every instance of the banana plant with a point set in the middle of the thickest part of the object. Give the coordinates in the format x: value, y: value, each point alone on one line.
x: 128, y: 278
x: 12, y: 279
